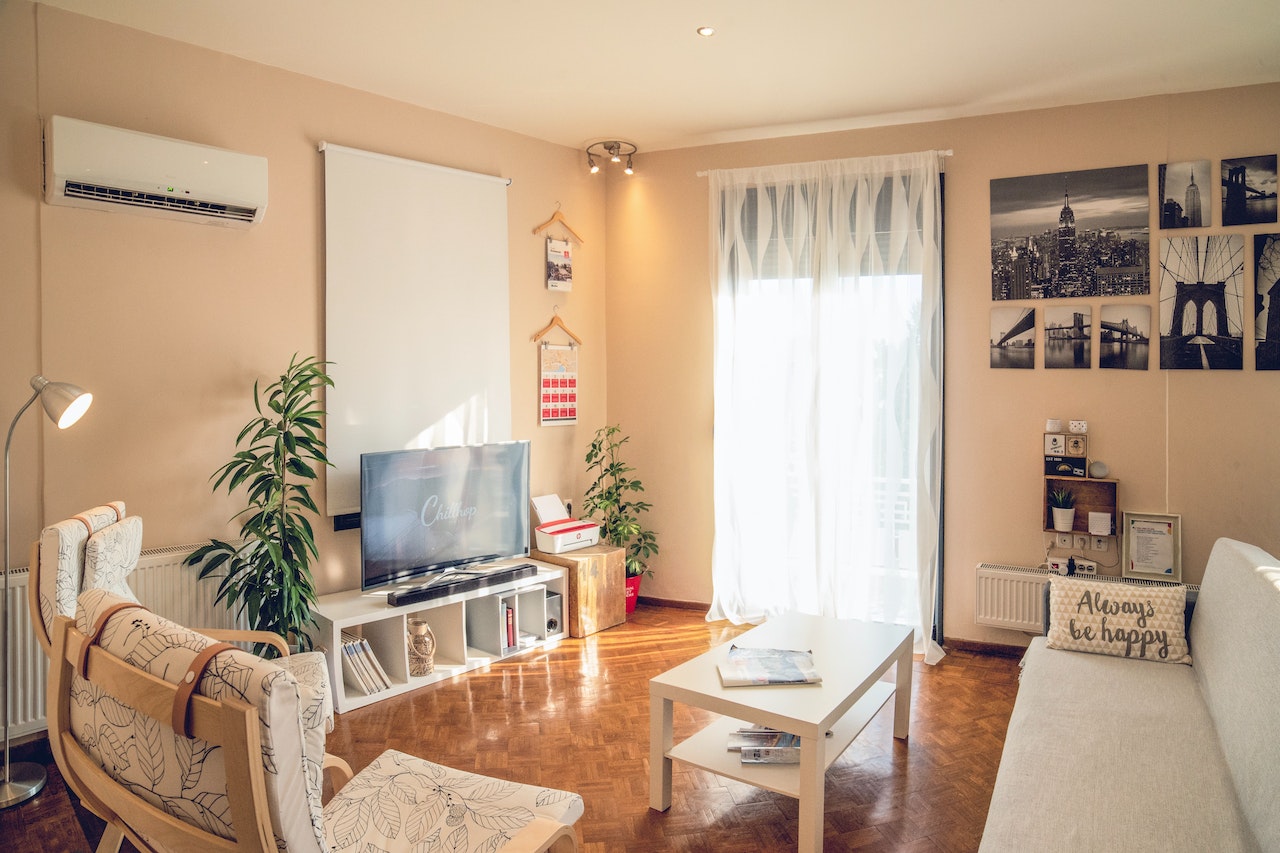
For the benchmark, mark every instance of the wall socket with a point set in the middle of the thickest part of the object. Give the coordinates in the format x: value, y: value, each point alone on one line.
x: 1063, y: 540
x: 1081, y: 542
x: 1098, y: 543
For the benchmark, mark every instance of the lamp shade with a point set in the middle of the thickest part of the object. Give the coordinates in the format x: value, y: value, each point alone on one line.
x: 65, y: 403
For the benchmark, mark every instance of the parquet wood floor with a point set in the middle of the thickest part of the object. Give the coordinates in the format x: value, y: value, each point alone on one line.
x: 576, y: 716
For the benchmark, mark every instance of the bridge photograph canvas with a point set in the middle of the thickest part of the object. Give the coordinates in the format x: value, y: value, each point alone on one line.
x: 1124, y: 339
x: 1071, y: 234
x: 1013, y: 337
x: 1067, y: 333
x: 1202, y: 302
x: 1249, y: 190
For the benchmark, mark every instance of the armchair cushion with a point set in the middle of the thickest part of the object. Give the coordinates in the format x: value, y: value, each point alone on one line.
x: 111, y: 555
x: 181, y: 775
x: 62, y: 553
x: 403, y: 802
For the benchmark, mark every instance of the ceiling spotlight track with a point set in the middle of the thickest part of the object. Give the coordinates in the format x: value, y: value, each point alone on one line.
x: 615, y: 150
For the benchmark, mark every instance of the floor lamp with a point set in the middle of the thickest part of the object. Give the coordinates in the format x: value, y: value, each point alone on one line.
x: 65, y: 403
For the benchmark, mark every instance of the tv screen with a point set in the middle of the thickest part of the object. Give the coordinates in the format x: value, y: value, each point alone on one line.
x: 424, y: 511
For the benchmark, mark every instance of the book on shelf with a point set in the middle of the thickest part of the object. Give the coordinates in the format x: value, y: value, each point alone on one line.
x: 747, y: 667
x: 380, y: 674
x: 351, y: 674
x: 360, y: 668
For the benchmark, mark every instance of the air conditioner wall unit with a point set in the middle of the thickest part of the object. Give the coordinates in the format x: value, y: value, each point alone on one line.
x: 107, y: 168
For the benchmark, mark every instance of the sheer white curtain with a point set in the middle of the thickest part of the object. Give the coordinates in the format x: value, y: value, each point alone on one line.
x: 828, y: 390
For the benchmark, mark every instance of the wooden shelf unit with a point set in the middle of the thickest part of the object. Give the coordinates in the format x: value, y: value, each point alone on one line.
x: 1092, y: 495
x: 469, y: 627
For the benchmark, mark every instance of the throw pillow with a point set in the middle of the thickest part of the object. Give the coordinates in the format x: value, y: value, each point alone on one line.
x: 1143, y: 621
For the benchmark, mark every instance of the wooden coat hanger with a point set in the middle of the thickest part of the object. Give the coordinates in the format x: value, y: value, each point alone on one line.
x: 559, y: 217
x: 556, y: 322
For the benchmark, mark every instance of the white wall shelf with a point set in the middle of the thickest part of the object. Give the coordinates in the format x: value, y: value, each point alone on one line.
x: 469, y: 627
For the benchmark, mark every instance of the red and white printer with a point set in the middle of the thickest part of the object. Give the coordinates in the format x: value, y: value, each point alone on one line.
x: 556, y: 533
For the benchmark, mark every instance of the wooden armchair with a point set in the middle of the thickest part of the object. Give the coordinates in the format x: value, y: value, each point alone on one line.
x: 175, y: 760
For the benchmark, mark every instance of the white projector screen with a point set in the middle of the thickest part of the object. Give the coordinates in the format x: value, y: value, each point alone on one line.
x: 416, y: 310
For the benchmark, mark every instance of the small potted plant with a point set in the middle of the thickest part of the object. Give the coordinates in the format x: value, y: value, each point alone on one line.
x: 1063, y: 504
x: 611, y: 501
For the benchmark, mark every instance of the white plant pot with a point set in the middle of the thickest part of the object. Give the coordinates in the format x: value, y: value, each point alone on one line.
x: 1064, y: 518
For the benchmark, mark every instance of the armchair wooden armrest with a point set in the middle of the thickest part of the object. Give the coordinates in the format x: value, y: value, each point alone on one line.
x: 231, y: 635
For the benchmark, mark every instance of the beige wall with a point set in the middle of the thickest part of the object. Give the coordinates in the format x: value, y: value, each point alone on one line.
x: 1198, y: 444
x: 169, y: 323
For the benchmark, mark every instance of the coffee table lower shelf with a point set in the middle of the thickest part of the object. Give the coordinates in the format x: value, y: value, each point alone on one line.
x: 707, y: 749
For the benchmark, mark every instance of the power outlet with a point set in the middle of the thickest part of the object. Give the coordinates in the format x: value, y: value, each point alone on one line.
x: 1063, y: 540
x: 1086, y: 567
x: 1098, y: 543
x: 1081, y: 542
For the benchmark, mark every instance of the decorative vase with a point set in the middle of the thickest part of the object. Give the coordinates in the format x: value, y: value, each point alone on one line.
x: 422, y: 648
x: 633, y: 592
x: 1064, y: 518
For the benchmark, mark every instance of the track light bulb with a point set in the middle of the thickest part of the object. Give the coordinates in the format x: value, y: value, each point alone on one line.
x: 630, y: 170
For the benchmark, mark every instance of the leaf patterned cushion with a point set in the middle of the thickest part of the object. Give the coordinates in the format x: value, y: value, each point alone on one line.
x: 62, y: 550
x: 184, y: 776
x: 111, y: 555
x: 406, y: 803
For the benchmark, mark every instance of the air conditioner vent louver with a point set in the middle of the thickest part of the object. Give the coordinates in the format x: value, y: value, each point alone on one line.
x: 109, y: 168
x: 76, y: 189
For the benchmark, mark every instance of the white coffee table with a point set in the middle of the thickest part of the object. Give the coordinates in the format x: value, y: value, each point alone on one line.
x: 849, y: 655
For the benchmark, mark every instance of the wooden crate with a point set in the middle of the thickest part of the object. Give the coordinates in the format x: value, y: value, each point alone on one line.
x: 597, y: 587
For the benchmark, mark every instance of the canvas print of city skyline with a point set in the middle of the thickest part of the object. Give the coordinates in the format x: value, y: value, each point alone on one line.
x: 1186, y: 201
x: 1071, y: 234
x: 1202, y: 302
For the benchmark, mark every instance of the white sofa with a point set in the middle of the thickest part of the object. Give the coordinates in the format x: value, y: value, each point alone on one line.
x: 1108, y: 753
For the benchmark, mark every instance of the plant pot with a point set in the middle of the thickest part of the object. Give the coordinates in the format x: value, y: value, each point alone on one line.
x: 1064, y: 518
x: 633, y: 592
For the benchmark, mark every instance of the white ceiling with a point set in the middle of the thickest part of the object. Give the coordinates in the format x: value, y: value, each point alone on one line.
x: 573, y: 72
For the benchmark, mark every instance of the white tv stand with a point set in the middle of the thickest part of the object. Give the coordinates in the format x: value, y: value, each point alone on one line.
x: 469, y: 628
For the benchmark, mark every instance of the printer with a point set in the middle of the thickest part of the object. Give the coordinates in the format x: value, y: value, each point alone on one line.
x: 556, y: 532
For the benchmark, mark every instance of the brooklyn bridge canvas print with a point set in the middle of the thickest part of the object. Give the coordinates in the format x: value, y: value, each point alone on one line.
x: 1202, y: 302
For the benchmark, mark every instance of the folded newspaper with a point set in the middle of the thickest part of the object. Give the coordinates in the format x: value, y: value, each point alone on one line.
x: 747, y: 666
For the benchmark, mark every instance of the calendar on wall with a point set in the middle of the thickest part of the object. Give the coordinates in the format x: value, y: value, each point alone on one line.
x: 558, y: 376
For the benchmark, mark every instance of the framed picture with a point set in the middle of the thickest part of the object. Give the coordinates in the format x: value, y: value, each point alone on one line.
x: 1152, y: 546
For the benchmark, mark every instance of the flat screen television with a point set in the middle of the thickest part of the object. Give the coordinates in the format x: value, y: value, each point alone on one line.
x: 429, y: 510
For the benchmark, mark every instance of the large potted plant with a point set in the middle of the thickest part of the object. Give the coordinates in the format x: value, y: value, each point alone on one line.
x: 612, y: 502
x: 267, y: 574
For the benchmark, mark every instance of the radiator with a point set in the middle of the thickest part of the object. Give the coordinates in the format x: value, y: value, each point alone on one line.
x: 1013, y: 596
x: 160, y: 582
x: 1010, y: 597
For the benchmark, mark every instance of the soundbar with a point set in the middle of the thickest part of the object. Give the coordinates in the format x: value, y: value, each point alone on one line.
x: 463, y: 580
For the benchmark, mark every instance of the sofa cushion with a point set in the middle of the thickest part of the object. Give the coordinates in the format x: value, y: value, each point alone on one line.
x: 1141, y: 621
x: 1237, y: 642
x: 1104, y: 753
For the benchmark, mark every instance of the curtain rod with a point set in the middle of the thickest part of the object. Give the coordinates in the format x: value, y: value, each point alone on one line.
x: 947, y: 153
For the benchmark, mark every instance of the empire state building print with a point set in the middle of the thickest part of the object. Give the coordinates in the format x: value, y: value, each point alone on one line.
x: 1184, y: 195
